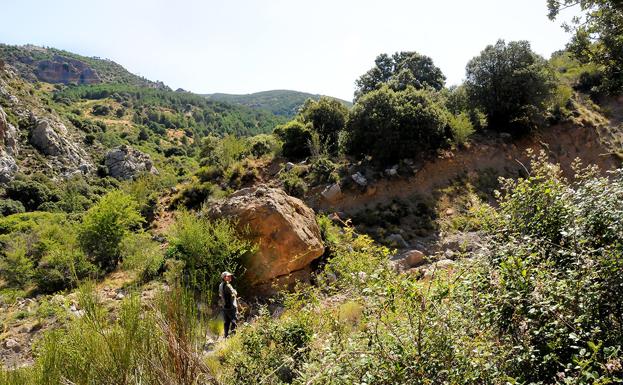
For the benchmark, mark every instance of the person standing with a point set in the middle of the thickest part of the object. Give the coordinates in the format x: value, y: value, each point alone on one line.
x: 229, y: 299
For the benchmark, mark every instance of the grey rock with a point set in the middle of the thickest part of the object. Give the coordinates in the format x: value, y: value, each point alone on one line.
x: 12, y: 344
x: 51, y: 138
x: 360, y: 179
x: 396, y: 240
x: 393, y: 171
x: 288, y: 166
x: 8, y: 167
x: 408, y: 259
x: 8, y: 135
x: 124, y: 162
x: 332, y: 193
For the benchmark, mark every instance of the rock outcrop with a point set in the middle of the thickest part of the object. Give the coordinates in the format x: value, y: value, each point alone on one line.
x: 125, y: 162
x: 8, y: 149
x: 51, y: 138
x: 65, y: 70
x: 283, y: 227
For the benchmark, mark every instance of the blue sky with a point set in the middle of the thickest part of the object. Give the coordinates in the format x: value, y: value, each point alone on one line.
x: 243, y: 46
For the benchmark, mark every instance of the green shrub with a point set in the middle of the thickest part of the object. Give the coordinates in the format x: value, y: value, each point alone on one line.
x: 16, y: 268
x: 62, y: 267
x: 100, y: 110
x: 327, y: 117
x: 143, y: 255
x: 207, y: 247
x: 296, y: 137
x: 323, y: 170
x: 10, y: 206
x: 105, y: 225
x: 512, y: 85
x: 263, y: 145
x: 393, y: 125
x: 461, y: 128
x: 31, y: 193
x: 293, y: 184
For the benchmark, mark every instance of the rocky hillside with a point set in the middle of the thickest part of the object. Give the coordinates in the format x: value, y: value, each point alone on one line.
x: 52, y: 65
x: 279, y: 102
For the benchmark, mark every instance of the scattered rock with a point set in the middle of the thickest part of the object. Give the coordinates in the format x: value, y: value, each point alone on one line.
x: 359, y: 179
x: 124, y: 162
x: 8, y: 135
x: 460, y: 242
x: 505, y: 136
x: 284, y: 228
x: 12, y: 344
x: 397, y: 241
x: 332, y: 193
x: 8, y: 167
x: 408, y: 259
x: 119, y: 296
x: 393, y: 171
x: 288, y: 166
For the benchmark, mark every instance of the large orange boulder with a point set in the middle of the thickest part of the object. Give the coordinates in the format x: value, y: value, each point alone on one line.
x: 283, y: 227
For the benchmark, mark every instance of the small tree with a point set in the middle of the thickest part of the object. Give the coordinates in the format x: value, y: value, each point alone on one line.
x: 296, y: 137
x: 400, y: 70
x: 392, y: 125
x: 105, y: 225
x: 511, y: 84
x: 327, y: 117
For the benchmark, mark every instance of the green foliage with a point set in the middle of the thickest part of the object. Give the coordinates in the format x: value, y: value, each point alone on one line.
x: 399, y: 71
x: 392, y: 125
x: 327, y: 117
x: 511, y: 84
x: 207, y: 247
x: 296, y: 138
x: 322, y: 170
x: 31, y: 192
x: 461, y: 128
x: 280, y: 102
x: 105, y: 225
x: 15, y: 266
x: 293, y: 184
x: 597, y: 37
x: 143, y: 255
x: 10, y: 206
x: 263, y: 145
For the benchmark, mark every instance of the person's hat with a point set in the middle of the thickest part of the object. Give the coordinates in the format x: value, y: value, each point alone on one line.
x: 225, y: 274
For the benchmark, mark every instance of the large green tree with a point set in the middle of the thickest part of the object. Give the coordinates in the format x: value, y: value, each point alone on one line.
x: 597, y: 36
x: 400, y: 70
x: 511, y: 84
x: 392, y: 125
x: 327, y: 117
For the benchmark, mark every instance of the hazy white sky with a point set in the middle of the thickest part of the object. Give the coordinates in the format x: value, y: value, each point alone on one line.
x: 243, y: 46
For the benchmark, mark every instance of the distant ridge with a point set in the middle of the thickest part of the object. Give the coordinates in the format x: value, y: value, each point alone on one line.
x: 53, y: 65
x: 279, y: 102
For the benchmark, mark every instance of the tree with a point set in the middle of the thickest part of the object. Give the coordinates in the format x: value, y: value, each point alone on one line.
x: 105, y: 225
x: 392, y: 125
x: 400, y: 70
x: 296, y: 138
x: 327, y: 117
x: 511, y: 84
x: 598, y: 36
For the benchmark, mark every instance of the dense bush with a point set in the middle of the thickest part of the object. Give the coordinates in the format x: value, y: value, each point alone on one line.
x: 511, y: 84
x: 327, y: 117
x: 10, y: 206
x: 293, y: 184
x: 207, y: 248
x: 399, y: 71
x: 105, y: 225
x: 392, y: 125
x: 296, y: 138
x: 31, y: 192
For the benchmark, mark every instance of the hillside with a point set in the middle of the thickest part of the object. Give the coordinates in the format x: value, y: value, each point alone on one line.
x: 279, y: 102
x: 52, y: 65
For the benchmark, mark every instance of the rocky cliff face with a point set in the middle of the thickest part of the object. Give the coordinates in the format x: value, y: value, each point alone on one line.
x: 124, y: 162
x: 283, y: 227
x: 8, y: 148
x: 65, y: 70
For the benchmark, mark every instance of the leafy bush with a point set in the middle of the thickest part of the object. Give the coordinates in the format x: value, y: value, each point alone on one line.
x: 511, y: 84
x: 207, y: 247
x: 327, y: 117
x: 101, y: 110
x: 392, y: 125
x: 15, y: 266
x: 105, y: 225
x: 293, y: 184
x: 31, y: 192
x: 461, y: 128
x: 143, y: 255
x: 10, y: 206
x: 296, y: 137
x: 399, y: 71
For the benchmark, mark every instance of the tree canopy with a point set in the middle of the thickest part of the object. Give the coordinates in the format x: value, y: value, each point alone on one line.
x: 598, y: 36
x: 327, y: 117
x: 511, y: 84
x: 392, y: 125
x: 400, y: 70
